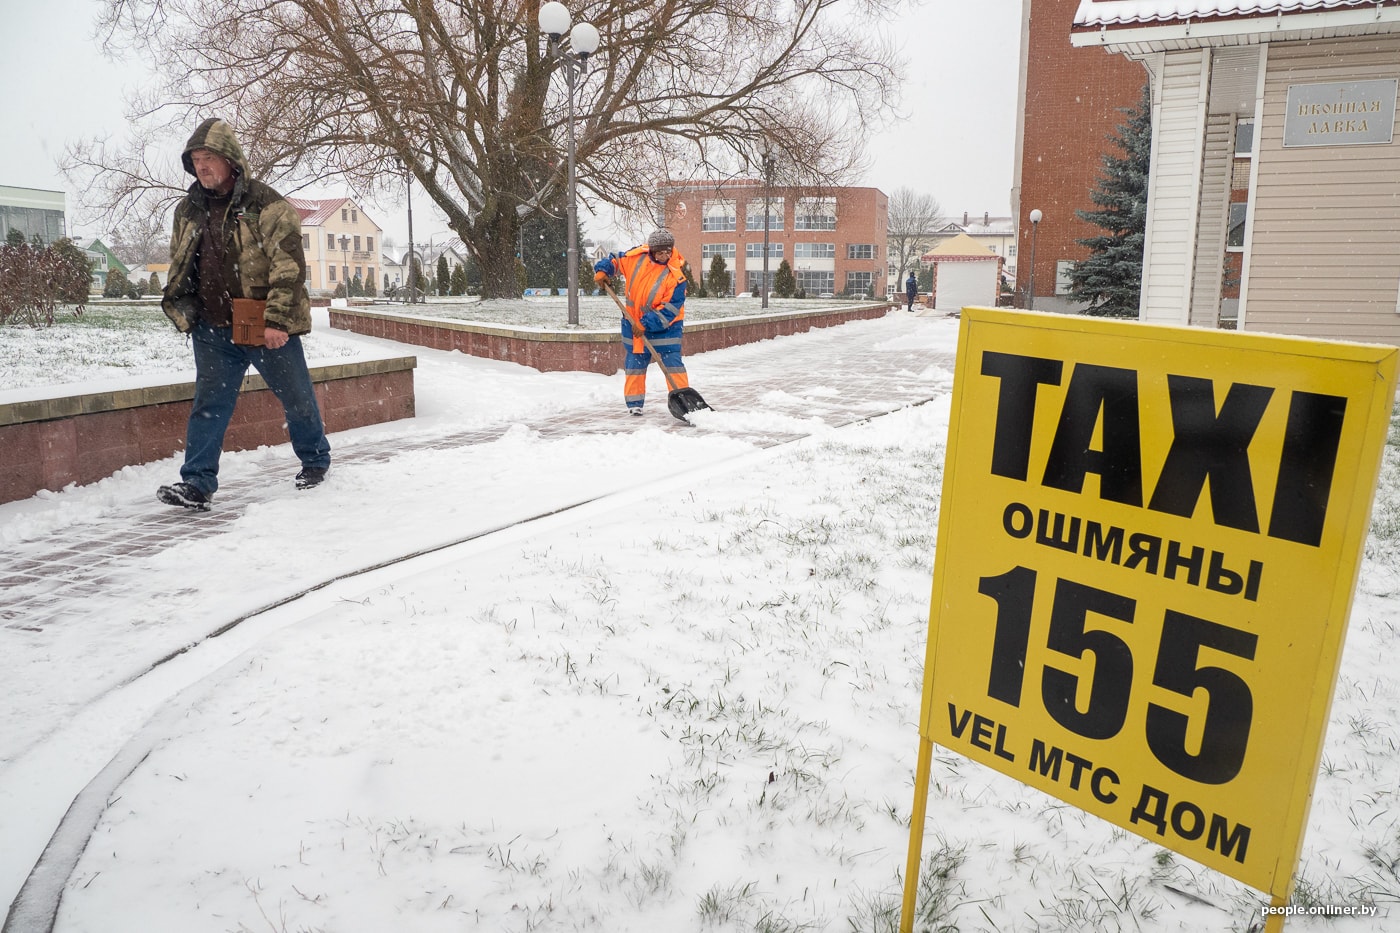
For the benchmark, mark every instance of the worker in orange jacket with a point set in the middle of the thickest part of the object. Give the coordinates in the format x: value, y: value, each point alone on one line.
x: 655, y: 299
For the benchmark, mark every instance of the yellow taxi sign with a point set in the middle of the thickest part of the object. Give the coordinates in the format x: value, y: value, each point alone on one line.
x: 1147, y: 546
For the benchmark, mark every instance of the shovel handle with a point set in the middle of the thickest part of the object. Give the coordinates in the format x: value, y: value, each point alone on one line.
x: 640, y: 331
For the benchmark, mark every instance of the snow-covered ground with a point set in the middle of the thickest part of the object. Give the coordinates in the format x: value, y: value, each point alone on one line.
x: 688, y: 705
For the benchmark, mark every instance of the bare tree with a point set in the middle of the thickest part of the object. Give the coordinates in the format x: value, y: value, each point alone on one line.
x: 914, y: 220
x: 461, y: 96
x: 144, y: 237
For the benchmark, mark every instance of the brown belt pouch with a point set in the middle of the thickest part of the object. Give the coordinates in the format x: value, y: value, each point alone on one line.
x: 248, y: 321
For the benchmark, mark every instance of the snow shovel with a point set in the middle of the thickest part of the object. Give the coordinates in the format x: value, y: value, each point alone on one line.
x: 681, y: 402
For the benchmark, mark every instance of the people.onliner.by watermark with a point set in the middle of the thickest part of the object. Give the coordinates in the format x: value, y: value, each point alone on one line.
x: 1321, y: 910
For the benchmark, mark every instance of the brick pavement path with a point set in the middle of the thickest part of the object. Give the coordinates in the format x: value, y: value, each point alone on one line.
x: 837, y: 376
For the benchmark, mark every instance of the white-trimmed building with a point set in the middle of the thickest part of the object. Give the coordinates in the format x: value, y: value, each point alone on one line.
x: 1274, y: 193
x: 340, y: 241
x: 33, y: 212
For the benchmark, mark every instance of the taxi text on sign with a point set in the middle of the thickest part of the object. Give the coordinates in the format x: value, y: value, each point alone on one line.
x: 1147, y: 547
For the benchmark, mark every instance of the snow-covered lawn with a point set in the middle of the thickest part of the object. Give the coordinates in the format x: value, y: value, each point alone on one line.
x: 114, y: 340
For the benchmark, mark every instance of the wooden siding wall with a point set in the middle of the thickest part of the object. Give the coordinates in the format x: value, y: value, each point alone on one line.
x: 1180, y: 87
x: 1324, y: 258
x: 1214, y: 218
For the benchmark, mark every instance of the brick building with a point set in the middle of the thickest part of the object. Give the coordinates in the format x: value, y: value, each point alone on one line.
x: 1072, y: 101
x: 834, y: 239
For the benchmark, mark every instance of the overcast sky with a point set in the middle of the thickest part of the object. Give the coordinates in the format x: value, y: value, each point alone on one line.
x: 955, y: 140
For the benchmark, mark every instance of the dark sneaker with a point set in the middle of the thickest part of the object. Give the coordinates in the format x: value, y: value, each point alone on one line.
x: 185, y: 496
x: 634, y: 411
x: 311, y: 476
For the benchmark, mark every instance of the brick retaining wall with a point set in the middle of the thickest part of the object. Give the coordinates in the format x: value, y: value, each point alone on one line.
x: 49, y: 443
x: 583, y: 350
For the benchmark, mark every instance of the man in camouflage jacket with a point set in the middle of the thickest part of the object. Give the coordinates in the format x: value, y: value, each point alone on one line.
x: 235, y: 237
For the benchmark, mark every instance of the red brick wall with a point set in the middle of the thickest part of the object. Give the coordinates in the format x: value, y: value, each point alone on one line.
x: 87, y: 447
x: 591, y: 352
x: 1071, y: 109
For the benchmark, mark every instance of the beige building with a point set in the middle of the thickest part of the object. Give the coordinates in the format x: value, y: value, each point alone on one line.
x: 340, y: 241
x: 1274, y: 193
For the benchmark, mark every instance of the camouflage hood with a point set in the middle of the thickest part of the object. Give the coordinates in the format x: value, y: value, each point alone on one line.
x: 216, y: 136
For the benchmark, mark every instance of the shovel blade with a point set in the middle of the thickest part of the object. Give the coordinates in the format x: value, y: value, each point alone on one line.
x: 682, y: 402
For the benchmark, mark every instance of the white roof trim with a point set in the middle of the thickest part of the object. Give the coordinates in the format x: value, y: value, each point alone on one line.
x: 1109, y: 12
x: 1266, y: 28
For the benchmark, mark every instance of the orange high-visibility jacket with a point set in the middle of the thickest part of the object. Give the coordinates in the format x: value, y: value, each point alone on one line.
x: 651, y: 288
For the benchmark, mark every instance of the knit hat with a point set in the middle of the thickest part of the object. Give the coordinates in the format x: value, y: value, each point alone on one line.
x: 661, y: 239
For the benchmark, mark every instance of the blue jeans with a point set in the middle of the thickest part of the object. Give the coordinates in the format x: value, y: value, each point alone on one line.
x: 219, y: 365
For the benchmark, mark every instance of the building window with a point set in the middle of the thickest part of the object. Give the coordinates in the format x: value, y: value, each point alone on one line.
x: 755, y: 250
x: 816, y: 283
x: 47, y: 225
x: 709, y: 250
x: 371, y: 277
x: 331, y: 273
x: 860, y: 251
x: 754, y: 220
x: 369, y: 244
x: 1244, y: 139
x: 344, y: 215
x: 858, y: 283
x: 755, y: 281
x: 814, y: 251
x: 719, y: 215
x: 354, y: 216
x: 1234, y: 235
x: 815, y: 214
x: 330, y: 241
x: 360, y: 272
x: 305, y: 241
x: 1062, y: 280
x: 357, y: 244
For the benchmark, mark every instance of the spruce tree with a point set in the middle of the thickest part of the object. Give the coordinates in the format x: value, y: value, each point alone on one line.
x: 1109, y: 280
x: 459, y: 279
x: 118, y: 285
x: 784, y: 282
x: 718, y: 280
x: 444, y: 275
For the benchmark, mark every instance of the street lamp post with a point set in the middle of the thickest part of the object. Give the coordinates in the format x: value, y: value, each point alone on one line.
x: 345, y: 264
x: 583, y: 42
x: 408, y: 187
x: 1030, y: 286
x: 768, y: 160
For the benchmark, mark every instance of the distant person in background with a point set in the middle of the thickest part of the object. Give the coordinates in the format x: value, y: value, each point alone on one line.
x: 911, y: 290
x: 656, y: 299
x: 237, y: 239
